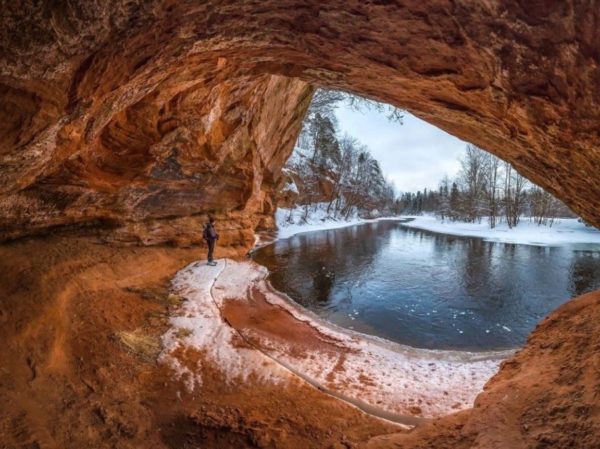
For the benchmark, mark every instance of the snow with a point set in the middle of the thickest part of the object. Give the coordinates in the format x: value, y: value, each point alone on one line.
x: 361, y: 369
x: 399, y: 376
x: 206, y: 332
x: 564, y: 231
x: 291, y: 187
x: 290, y: 221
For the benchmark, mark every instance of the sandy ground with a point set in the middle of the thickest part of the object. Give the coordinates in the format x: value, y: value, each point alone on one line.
x: 82, y: 327
x: 233, y: 301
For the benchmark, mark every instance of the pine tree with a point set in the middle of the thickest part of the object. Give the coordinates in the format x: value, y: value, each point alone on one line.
x: 455, y: 209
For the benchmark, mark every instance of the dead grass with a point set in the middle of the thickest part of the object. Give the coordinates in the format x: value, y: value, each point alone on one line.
x: 139, y: 343
x: 182, y: 332
x: 174, y: 300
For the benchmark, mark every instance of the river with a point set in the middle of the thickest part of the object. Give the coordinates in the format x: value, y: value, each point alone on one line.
x: 428, y: 290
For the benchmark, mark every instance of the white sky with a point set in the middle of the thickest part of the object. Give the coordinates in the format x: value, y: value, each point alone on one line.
x: 413, y: 155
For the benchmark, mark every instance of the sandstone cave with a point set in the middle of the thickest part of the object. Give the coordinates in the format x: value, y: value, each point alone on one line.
x: 123, y: 123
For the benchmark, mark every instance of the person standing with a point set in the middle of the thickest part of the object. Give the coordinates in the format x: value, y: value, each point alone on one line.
x: 211, y: 236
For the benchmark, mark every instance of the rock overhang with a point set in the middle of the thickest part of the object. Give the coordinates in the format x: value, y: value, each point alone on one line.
x: 136, y: 119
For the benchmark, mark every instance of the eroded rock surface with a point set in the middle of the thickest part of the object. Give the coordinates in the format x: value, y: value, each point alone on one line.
x: 139, y: 117
x: 154, y: 169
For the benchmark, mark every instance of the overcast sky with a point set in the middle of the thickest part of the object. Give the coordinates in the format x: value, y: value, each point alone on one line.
x: 413, y: 155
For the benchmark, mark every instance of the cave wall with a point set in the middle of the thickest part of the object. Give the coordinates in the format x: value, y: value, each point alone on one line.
x: 136, y: 118
x: 157, y: 167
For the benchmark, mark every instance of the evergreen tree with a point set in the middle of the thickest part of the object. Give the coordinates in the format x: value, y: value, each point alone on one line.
x: 455, y: 202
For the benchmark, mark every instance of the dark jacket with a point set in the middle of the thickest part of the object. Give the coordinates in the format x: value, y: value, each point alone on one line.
x: 210, y: 233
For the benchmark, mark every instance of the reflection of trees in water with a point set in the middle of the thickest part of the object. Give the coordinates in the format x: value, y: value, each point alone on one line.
x: 470, y: 258
x: 585, y: 272
x: 488, y: 274
x: 476, y: 266
x: 321, y: 255
x: 509, y: 275
x: 518, y: 283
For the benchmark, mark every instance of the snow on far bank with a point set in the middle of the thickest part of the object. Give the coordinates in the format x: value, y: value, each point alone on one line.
x: 564, y: 231
x: 291, y: 221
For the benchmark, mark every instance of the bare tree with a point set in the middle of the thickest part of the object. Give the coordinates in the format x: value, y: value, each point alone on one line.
x: 544, y: 208
x: 492, y: 181
x: 514, y: 195
x: 325, y: 102
x: 472, y: 178
x: 443, y: 204
x: 486, y: 185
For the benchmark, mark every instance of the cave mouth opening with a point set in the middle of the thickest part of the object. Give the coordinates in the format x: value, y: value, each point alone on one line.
x: 486, y: 256
x: 137, y: 111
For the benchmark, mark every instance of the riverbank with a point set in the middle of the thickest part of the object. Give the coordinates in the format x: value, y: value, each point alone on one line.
x: 234, y: 300
x: 293, y: 221
x: 564, y: 231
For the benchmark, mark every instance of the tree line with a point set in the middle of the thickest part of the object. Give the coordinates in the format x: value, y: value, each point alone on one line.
x: 486, y: 187
x: 338, y: 173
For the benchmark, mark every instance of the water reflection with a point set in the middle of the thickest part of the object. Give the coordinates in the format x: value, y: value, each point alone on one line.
x: 425, y: 289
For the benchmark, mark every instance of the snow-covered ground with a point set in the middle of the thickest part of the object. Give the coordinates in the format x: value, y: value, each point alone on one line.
x: 351, y: 366
x: 198, y: 324
x: 291, y: 222
x: 564, y: 231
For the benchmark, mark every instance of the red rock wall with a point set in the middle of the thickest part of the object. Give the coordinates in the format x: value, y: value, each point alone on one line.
x: 158, y: 167
x: 141, y: 116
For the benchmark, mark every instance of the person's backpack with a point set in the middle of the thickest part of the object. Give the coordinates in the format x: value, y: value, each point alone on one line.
x: 206, y: 233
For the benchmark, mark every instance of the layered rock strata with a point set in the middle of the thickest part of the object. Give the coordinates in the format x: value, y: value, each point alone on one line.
x: 138, y: 117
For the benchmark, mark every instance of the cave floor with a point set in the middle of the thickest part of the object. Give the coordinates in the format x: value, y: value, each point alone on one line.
x: 82, y: 322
